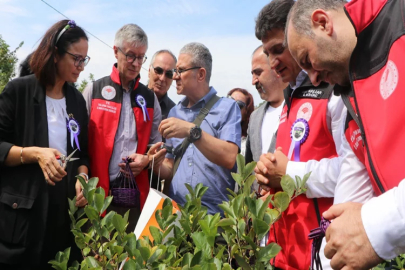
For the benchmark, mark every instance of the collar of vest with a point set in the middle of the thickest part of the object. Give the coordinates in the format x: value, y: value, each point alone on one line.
x: 115, y: 77
x: 362, y: 13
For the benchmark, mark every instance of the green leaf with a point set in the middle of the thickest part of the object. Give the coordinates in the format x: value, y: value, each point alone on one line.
x: 287, y: 183
x: 106, y: 203
x: 225, y: 206
x: 274, y: 214
x: 240, y: 161
x: 93, y: 183
x: 190, y: 189
x: 86, y: 251
x: 118, y: 223
x: 227, y: 222
x: 156, y: 234
x: 237, y: 205
x: 220, y: 252
x: 250, y: 242
x: 281, y: 200
x: 72, y: 205
x: 248, y: 169
x: 130, y: 265
x: 242, y: 263
x: 304, y: 180
x: 130, y: 246
x: 145, y: 253
x: 251, y: 204
x: 262, y: 209
x: 260, y: 227
x: 187, y: 259
x: 107, y: 220
x: 197, y: 259
x: 122, y: 257
x: 237, y: 177
x: 90, y: 261
x: 226, y: 266
x: 81, y: 222
x: 91, y: 213
x: 233, y: 194
x: 248, y: 185
x: 98, y: 202
x: 117, y: 249
x: 241, y: 227
x: 268, y: 252
x: 155, y: 255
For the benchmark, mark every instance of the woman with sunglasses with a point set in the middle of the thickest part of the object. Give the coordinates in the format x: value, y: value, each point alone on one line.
x: 245, y: 102
x: 42, y: 118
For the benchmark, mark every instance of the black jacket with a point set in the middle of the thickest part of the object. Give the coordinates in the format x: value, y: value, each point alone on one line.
x: 26, y: 202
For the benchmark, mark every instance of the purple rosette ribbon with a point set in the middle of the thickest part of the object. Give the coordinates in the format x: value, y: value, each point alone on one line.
x: 140, y: 100
x: 316, y: 235
x: 299, y: 134
x: 72, y: 24
x: 74, y: 130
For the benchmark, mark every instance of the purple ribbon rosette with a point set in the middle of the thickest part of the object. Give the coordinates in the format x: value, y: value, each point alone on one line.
x: 140, y: 100
x: 299, y: 134
x: 316, y: 235
x: 74, y: 130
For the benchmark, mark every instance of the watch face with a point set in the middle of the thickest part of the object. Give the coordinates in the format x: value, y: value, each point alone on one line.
x: 195, y: 133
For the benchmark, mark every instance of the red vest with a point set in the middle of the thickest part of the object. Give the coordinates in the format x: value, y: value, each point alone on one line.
x: 103, y: 125
x: 303, y: 214
x: 377, y: 73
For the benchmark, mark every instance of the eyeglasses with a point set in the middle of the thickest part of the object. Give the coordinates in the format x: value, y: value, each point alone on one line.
x: 131, y: 58
x: 179, y: 71
x: 79, y: 60
x: 241, y: 104
x: 159, y: 71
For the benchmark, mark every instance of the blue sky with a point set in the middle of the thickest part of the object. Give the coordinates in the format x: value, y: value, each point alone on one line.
x: 225, y: 27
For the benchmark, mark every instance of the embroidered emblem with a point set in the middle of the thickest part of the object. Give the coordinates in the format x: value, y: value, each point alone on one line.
x: 108, y: 92
x: 305, y: 111
x: 389, y: 80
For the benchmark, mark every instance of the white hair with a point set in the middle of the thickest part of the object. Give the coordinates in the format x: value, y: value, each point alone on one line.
x: 200, y: 57
x: 132, y: 34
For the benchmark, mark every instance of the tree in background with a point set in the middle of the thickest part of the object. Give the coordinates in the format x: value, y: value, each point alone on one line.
x: 84, y: 83
x: 8, y: 60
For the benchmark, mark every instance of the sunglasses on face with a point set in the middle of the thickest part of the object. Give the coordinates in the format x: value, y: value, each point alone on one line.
x: 241, y: 104
x: 159, y: 71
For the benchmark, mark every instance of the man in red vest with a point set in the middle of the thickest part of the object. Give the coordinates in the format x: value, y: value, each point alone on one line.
x: 309, y: 139
x: 124, y: 117
x: 362, y: 44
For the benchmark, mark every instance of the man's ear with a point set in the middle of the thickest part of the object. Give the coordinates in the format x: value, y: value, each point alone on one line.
x: 202, y: 73
x: 115, y: 51
x: 322, y: 21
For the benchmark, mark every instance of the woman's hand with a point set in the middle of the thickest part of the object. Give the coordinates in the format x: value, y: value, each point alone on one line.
x: 53, y: 171
x: 80, y: 199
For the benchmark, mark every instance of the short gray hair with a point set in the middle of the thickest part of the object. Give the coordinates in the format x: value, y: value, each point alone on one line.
x: 301, y: 12
x: 201, y: 57
x: 160, y: 52
x: 132, y: 34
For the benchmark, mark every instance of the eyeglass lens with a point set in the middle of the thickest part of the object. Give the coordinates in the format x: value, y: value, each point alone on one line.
x: 168, y: 74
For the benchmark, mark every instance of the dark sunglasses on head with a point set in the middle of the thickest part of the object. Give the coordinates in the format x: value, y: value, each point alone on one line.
x: 241, y: 104
x: 159, y: 71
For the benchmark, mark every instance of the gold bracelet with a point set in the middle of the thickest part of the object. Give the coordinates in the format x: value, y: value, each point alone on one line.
x: 21, y: 158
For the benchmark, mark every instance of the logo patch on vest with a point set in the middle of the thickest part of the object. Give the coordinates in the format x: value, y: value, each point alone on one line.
x: 108, y: 92
x: 311, y: 93
x: 389, y: 80
x: 305, y: 111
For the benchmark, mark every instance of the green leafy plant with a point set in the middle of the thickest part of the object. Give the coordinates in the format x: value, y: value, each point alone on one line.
x: 191, y: 239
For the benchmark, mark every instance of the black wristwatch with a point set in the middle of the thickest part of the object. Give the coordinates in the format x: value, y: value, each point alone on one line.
x: 195, y: 134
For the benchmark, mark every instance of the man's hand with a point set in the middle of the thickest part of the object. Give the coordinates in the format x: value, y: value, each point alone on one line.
x: 270, y: 169
x: 175, y: 128
x: 347, y: 245
x: 139, y: 163
x: 157, y: 155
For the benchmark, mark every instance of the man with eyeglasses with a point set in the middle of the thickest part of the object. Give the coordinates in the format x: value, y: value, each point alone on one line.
x: 211, y: 154
x: 161, y: 77
x: 124, y: 118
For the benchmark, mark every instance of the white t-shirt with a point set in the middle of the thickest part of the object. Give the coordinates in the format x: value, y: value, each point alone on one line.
x: 57, y: 130
x: 270, y: 125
